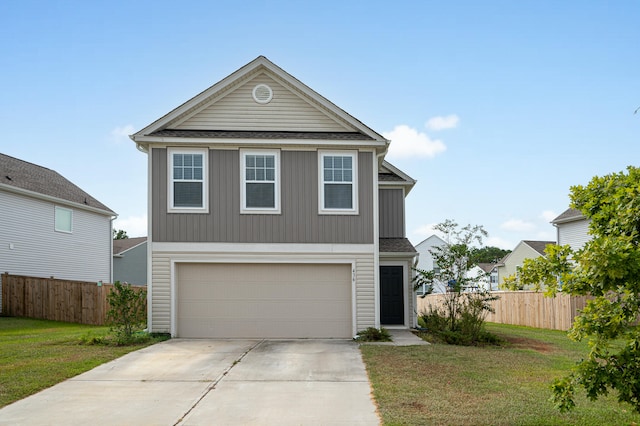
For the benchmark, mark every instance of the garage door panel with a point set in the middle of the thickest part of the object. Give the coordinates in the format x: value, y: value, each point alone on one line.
x: 264, y: 300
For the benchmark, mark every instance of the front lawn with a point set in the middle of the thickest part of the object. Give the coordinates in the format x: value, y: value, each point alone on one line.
x: 37, y: 354
x: 441, y: 384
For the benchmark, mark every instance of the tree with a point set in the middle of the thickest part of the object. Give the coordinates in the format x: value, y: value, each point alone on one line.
x: 608, y: 269
x: 120, y: 234
x: 466, y: 302
x: 488, y: 254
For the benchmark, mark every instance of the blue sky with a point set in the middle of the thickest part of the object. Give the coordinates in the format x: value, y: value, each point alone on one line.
x: 495, y: 107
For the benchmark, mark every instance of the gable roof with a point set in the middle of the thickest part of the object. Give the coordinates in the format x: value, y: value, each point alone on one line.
x: 538, y: 246
x: 434, y: 239
x: 193, y: 120
x: 30, y: 179
x: 122, y: 245
x: 390, y: 175
x: 569, y: 215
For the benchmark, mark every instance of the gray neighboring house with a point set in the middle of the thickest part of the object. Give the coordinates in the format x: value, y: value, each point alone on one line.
x: 50, y: 227
x: 130, y: 260
x: 273, y: 214
x: 572, y: 228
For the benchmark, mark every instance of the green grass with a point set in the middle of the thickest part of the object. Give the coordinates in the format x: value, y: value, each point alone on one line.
x: 37, y: 354
x: 441, y: 384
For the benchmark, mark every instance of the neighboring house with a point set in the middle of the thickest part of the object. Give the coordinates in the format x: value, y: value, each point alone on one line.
x: 512, y: 262
x: 130, y: 260
x: 272, y: 213
x: 426, y: 263
x: 50, y: 227
x: 572, y: 228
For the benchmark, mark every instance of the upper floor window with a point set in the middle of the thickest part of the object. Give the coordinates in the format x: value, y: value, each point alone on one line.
x: 188, y: 180
x: 338, y: 192
x: 63, y: 219
x: 260, y: 181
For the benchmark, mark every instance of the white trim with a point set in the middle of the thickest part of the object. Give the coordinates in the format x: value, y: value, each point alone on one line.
x: 354, y: 182
x: 205, y: 180
x: 39, y: 196
x: 149, y: 240
x: 258, y: 98
x: 176, y: 141
x: 266, y: 260
x: 267, y: 248
x: 277, y: 185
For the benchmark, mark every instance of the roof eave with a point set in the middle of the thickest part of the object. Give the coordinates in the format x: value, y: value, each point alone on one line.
x: 37, y: 195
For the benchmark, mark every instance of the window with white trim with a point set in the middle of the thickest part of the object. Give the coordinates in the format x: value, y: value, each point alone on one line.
x: 260, y: 181
x: 63, y: 220
x: 338, y: 182
x: 188, y: 180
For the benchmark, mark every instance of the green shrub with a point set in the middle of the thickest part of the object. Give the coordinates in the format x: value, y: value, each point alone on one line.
x: 127, y: 311
x: 373, y: 334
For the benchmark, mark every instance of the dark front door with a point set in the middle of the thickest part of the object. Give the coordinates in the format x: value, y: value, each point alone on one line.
x: 391, y: 295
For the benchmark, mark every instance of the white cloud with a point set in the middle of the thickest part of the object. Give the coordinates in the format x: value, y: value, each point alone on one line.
x: 500, y: 243
x: 407, y: 142
x: 442, y: 123
x: 517, y: 225
x: 121, y: 134
x: 134, y: 226
x: 548, y: 215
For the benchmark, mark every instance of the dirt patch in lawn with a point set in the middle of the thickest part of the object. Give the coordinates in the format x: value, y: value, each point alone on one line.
x: 524, y: 343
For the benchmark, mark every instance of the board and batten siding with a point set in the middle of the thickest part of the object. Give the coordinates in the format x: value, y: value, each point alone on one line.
x: 391, y: 208
x: 161, y: 297
x: 286, y: 111
x: 575, y: 234
x: 30, y: 245
x: 298, y: 222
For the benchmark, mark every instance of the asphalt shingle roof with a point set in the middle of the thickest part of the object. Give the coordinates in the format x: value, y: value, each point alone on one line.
x: 31, y: 177
x: 568, y: 215
x: 539, y: 246
x: 240, y: 134
x: 125, y: 244
x: 396, y: 245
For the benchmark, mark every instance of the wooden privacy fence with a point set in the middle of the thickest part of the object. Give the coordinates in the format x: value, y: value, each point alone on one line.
x: 53, y: 299
x: 527, y: 308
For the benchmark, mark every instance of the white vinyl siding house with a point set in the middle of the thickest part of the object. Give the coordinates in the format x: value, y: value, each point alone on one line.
x: 572, y: 229
x: 50, y: 227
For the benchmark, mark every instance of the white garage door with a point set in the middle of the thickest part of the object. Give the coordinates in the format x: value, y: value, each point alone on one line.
x: 263, y: 300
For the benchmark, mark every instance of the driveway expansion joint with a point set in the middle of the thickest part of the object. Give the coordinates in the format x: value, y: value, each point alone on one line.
x: 216, y: 381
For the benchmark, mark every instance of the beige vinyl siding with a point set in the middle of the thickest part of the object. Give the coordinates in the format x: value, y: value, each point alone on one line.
x: 287, y: 111
x: 514, y: 260
x: 365, y: 293
x: 160, y: 302
x: 161, y: 296
x: 299, y: 221
x: 391, y: 208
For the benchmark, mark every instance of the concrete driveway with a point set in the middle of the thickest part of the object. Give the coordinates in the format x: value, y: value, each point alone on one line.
x: 212, y: 382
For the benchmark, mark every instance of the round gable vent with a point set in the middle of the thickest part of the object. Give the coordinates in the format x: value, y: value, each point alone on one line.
x: 262, y: 94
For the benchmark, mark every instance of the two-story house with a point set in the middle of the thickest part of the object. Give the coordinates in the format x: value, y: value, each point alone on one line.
x: 512, y: 262
x: 50, y: 227
x: 272, y: 213
x: 572, y: 228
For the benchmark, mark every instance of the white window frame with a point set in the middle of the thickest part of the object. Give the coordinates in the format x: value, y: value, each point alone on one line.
x: 243, y: 182
x: 354, y: 182
x: 205, y: 180
x: 58, y: 209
